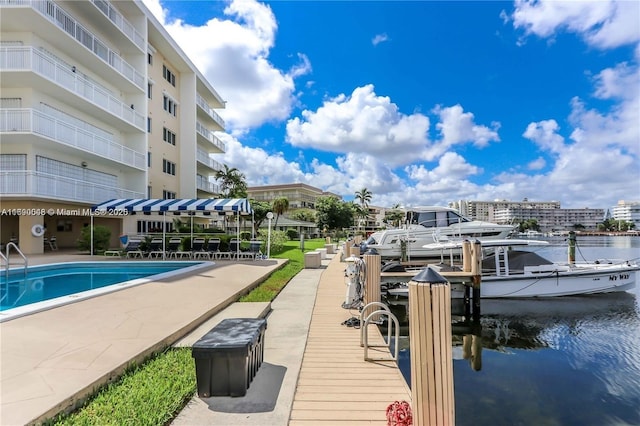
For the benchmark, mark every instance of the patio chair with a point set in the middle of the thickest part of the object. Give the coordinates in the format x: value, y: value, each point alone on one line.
x: 132, y: 249
x: 199, y: 249
x: 254, y: 249
x: 213, y: 247
x: 236, y: 250
x: 155, y: 248
x: 174, y: 249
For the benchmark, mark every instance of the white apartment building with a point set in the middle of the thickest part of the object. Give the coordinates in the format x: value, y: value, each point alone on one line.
x: 486, y: 210
x: 97, y: 102
x: 551, y: 220
x: 628, y: 211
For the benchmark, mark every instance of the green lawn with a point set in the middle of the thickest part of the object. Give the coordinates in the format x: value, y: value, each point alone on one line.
x: 154, y: 392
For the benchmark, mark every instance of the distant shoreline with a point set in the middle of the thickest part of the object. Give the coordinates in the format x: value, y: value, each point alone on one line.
x: 609, y: 233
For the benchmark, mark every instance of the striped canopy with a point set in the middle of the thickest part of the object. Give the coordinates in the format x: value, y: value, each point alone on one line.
x: 238, y: 205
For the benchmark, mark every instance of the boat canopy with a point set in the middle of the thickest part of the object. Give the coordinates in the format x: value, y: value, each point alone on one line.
x: 518, y: 259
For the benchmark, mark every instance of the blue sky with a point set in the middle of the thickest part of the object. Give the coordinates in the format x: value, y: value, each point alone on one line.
x: 425, y: 102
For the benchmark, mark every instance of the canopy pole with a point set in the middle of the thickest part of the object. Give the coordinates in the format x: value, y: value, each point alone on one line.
x: 164, y: 233
x: 191, y: 214
x: 91, y: 224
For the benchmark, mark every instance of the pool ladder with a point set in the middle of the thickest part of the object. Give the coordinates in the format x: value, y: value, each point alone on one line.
x: 7, y: 262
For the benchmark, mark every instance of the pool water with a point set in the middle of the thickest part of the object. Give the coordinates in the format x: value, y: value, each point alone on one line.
x: 48, y: 282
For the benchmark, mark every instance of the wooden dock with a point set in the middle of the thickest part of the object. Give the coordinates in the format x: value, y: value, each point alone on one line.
x: 336, y: 386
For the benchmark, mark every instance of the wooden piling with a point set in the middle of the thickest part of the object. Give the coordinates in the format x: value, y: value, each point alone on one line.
x: 431, y: 352
x: 373, y: 266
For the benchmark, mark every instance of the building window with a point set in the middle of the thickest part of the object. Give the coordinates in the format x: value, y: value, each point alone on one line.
x: 168, y: 75
x: 149, y: 58
x: 148, y: 124
x: 168, y: 195
x: 168, y: 167
x: 149, y: 191
x: 170, y: 105
x: 149, y: 92
x: 168, y: 136
x: 148, y: 159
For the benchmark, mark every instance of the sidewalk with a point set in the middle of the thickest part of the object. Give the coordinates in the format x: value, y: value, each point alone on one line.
x: 269, y: 398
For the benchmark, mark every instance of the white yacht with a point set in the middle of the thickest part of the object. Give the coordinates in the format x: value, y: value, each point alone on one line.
x: 426, y: 225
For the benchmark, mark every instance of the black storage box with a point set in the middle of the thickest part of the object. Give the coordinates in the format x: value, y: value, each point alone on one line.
x: 228, y: 357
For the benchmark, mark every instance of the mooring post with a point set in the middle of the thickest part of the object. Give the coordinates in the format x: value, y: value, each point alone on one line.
x: 373, y: 265
x: 572, y: 248
x: 476, y: 277
x: 466, y: 267
x: 431, y: 353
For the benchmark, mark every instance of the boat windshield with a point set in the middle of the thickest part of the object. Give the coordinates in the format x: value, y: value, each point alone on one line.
x: 435, y: 219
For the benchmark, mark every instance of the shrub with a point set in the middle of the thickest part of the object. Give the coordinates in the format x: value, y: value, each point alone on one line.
x: 292, y: 234
x: 101, y: 238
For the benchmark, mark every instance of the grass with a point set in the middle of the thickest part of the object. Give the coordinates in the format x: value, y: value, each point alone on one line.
x: 154, y: 392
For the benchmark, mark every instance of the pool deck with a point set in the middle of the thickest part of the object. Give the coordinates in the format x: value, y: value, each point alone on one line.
x: 313, y: 371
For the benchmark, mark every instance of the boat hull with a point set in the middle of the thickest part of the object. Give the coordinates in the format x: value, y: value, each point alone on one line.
x: 579, y: 281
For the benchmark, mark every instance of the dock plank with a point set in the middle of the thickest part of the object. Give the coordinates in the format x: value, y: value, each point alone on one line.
x: 335, y: 384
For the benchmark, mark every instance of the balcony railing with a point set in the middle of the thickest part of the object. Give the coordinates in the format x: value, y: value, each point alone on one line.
x: 28, y: 183
x: 208, y: 135
x: 28, y: 120
x: 204, y: 185
x: 203, y: 157
x: 119, y: 21
x: 206, y: 108
x: 28, y: 58
x: 58, y: 16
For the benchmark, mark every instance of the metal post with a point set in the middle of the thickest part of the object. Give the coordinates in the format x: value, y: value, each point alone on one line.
x: 269, y: 217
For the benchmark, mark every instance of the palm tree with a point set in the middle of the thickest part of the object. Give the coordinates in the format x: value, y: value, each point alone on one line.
x: 232, y: 182
x: 364, y: 196
x: 280, y: 205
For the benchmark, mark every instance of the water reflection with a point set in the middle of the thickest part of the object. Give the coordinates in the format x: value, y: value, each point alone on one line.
x: 569, y: 361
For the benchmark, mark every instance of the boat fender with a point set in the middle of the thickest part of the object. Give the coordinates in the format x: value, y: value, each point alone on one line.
x: 37, y: 230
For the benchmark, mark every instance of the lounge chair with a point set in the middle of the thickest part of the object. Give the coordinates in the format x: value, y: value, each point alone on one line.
x: 236, y: 250
x: 155, y: 248
x: 174, y: 249
x: 213, y: 247
x: 132, y: 249
x: 254, y: 249
x: 199, y: 249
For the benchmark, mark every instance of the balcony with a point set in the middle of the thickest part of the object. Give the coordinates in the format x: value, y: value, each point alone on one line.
x: 120, y: 22
x: 28, y: 183
x: 63, y: 131
x: 99, y: 49
x: 203, y: 157
x: 202, y: 184
x: 209, y: 111
x: 210, y: 137
x: 21, y: 59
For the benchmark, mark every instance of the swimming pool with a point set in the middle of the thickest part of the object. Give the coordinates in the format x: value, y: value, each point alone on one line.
x: 48, y: 286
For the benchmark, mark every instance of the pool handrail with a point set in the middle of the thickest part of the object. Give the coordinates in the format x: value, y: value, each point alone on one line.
x: 6, y: 257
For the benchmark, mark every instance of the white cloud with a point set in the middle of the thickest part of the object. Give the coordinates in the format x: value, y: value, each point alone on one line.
x: 233, y: 54
x: 545, y: 134
x: 361, y: 123
x: 603, y: 23
x: 537, y: 164
x: 379, y: 38
x: 367, y: 123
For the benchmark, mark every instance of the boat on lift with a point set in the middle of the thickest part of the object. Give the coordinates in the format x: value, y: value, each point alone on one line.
x: 425, y: 225
x: 515, y: 273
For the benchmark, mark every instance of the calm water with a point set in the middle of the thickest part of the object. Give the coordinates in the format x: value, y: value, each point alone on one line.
x: 561, y: 361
